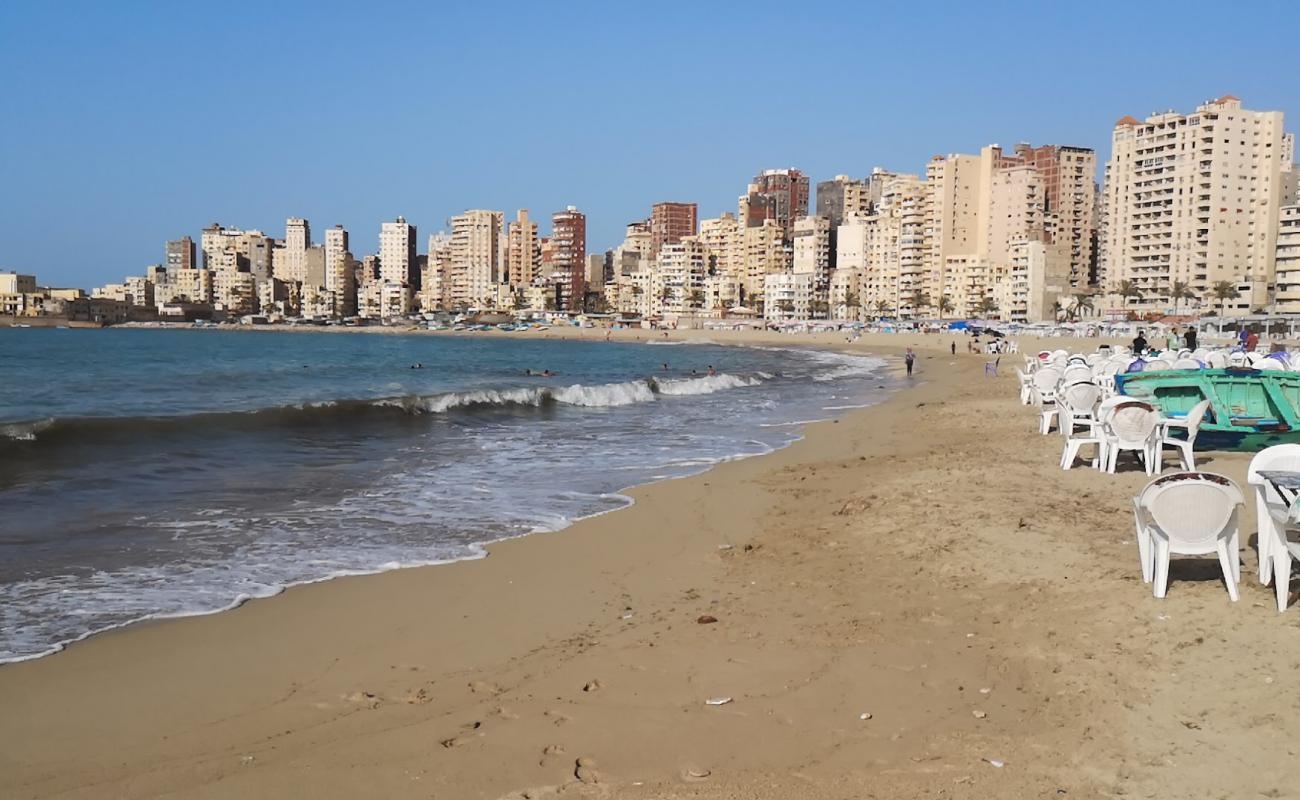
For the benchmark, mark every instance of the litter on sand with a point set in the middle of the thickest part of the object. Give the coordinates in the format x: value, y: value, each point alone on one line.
x: 717, y: 701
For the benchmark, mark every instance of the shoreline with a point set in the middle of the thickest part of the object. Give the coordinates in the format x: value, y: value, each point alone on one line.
x: 478, y: 550
x: 898, y: 599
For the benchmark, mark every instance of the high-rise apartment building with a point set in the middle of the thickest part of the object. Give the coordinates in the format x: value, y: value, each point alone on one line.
x: 670, y: 223
x: 978, y: 209
x: 475, y: 265
x: 180, y: 254
x: 724, y: 245
x: 1195, y: 199
x: 291, y: 262
x: 780, y: 195
x: 340, y: 270
x: 568, y: 264
x: 523, y: 254
x: 1069, y: 186
x: 397, y: 264
x: 1286, y: 299
x: 842, y: 198
x: 766, y: 250
x: 811, y: 242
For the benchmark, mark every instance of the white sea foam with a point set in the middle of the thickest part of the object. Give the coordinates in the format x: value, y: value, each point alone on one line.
x: 705, y: 385
x: 604, y: 396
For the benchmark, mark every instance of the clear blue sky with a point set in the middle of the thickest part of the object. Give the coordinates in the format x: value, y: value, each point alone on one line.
x: 123, y: 124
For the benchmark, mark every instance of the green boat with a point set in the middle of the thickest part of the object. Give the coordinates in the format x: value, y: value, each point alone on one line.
x: 1250, y: 409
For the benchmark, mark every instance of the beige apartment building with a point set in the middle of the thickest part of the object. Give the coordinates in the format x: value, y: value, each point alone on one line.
x: 340, y: 271
x: 723, y: 239
x: 475, y: 265
x: 523, y: 255
x: 681, y: 269
x: 979, y: 208
x: 291, y: 260
x: 884, y: 251
x: 1035, y: 279
x: 1195, y: 198
x: 397, y: 264
x: 1286, y: 299
x: 766, y: 252
x: 811, y: 244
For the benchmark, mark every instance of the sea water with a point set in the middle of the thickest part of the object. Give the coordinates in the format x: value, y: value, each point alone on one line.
x: 152, y: 473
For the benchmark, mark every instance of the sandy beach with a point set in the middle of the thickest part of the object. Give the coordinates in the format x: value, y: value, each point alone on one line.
x: 913, y: 601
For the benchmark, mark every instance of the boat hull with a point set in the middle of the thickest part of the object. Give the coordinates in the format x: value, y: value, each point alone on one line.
x: 1249, y: 409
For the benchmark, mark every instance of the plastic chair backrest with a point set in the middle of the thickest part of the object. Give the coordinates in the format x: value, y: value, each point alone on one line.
x: 1194, y: 418
x: 1279, y: 457
x: 1271, y: 364
x: 1192, y: 507
x: 1045, y: 381
x: 1216, y: 360
x: 1187, y: 363
x: 1082, y: 397
x: 1077, y: 372
x: 1157, y: 365
x: 1133, y: 421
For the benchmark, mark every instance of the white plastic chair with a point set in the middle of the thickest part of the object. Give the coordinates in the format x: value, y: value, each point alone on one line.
x: 1275, y: 517
x: 1157, y: 365
x: 1073, y: 400
x: 1044, y: 382
x: 1076, y: 373
x: 1187, y: 363
x: 1216, y: 360
x: 1133, y: 426
x: 1188, y: 513
x: 1237, y: 359
x: 1026, y: 388
x: 1192, y: 423
x: 1269, y: 364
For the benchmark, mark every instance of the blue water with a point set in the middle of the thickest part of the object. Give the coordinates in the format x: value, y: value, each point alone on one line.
x: 148, y: 473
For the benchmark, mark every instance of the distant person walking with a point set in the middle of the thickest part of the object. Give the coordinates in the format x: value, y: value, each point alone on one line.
x: 1189, y: 338
x: 953, y: 346
x: 1139, y: 343
x: 909, y: 359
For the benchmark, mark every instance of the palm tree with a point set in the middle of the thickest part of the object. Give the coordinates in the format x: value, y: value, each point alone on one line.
x: 945, y: 305
x: 696, y: 298
x: 1180, y: 291
x: 1082, y: 302
x: 882, y: 308
x: 986, y: 306
x: 919, y: 300
x: 1129, y: 289
x: 1224, y: 291
x: 853, y: 303
x: 820, y: 309
x: 1057, y: 308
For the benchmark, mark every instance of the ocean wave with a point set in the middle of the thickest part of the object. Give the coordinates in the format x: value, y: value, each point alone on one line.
x: 609, y: 395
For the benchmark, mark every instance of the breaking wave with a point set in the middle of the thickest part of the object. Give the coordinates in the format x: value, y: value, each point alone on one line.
x: 609, y: 395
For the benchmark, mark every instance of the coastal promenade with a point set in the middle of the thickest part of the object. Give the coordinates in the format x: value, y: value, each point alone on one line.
x: 913, y: 601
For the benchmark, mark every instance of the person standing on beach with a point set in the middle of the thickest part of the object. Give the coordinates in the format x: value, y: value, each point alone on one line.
x: 953, y: 346
x: 908, y: 359
x: 1189, y: 337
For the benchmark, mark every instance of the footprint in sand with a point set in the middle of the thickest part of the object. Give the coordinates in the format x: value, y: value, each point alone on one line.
x: 368, y: 699
x: 483, y: 687
x: 558, y: 717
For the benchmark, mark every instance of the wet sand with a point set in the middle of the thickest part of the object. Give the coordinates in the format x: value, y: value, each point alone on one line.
x: 923, y: 562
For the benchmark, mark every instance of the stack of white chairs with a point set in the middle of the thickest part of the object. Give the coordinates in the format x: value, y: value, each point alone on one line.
x: 1188, y: 513
x: 1276, y: 516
